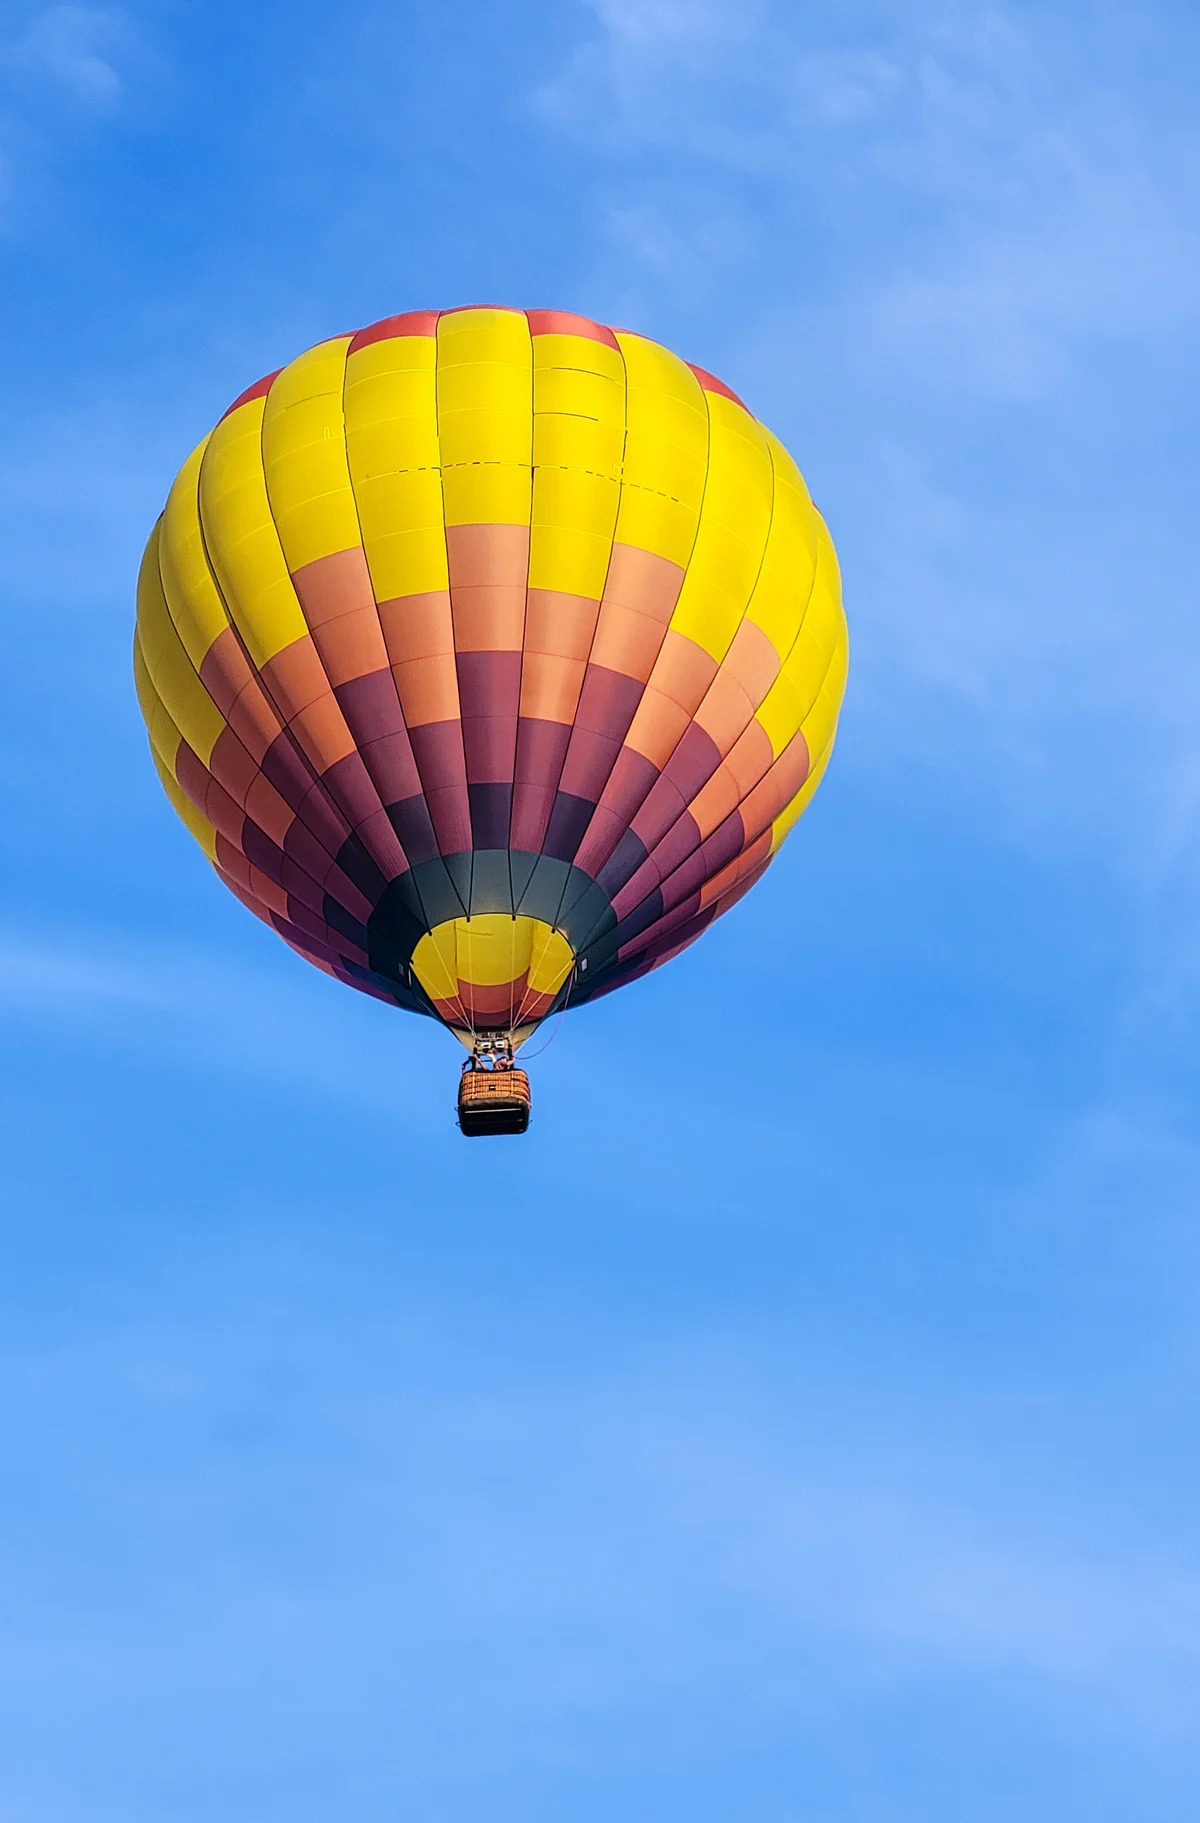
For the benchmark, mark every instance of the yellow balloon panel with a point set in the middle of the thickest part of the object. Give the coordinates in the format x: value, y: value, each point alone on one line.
x: 489, y: 654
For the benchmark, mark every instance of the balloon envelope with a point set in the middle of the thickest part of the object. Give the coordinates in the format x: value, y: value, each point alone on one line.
x: 489, y: 655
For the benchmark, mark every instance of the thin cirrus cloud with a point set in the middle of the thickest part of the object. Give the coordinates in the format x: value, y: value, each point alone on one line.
x: 61, y: 70
x: 69, y: 53
x: 182, y: 1005
x: 925, y: 1571
x: 1044, y: 205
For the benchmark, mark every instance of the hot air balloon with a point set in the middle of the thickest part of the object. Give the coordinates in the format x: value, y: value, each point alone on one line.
x: 489, y: 655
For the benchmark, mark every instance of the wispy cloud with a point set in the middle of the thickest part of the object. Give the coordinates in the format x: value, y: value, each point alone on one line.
x: 186, y: 1003
x: 869, y: 1545
x: 71, y: 51
x: 1041, y: 202
x: 931, y: 1578
x: 670, y: 1522
x: 62, y: 70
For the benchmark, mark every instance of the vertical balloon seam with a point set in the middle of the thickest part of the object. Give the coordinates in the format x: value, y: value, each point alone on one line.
x: 819, y: 764
x: 375, y: 600
x: 833, y: 659
x: 600, y: 609
x: 524, y: 315
x: 634, y: 807
x: 745, y: 607
x: 181, y: 804
x: 784, y: 658
x: 260, y: 684
x: 176, y: 503
x: 565, y: 992
x: 524, y: 616
x: 369, y: 765
x: 835, y: 656
x: 437, y: 431
x: 139, y: 638
x: 423, y: 765
x: 519, y: 1012
x: 466, y: 935
x: 672, y: 934
x: 829, y: 663
x: 347, y: 811
x: 741, y: 621
x: 213, y: 775
x: 460, y: 733
x: 790, y: 815
x: 752, y: 835
x: 520, y: 665
x: 691, y: 720
x: 817, y: 688
x: 201, y: 809
x: 148, y: 689
x: 154, y: 707
x: 437, y: 363
x: 764, y: 825
x: 152, y: 560
x: 599, y: 615
x: 597, y: 635
x: 838, y: 657
x: 410, y: 977
x: 344, y: 807
x: 601, y: 786
x: 301, y: 757
x: 143, y: 679
x: 512, y: 897
x: 259, y: 906
x: 148, y: 704
x: 286, y: 730
x: 282, y: 922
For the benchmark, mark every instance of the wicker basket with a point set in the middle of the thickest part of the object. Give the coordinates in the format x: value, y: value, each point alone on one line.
x: 493, y: 1101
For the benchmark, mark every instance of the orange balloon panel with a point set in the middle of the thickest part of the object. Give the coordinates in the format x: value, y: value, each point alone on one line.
x: 490, y: 655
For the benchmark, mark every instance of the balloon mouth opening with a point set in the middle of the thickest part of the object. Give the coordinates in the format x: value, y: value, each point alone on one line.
x: 494, y: 976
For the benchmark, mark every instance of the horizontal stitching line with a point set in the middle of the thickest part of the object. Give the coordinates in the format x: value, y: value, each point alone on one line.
x: 557, y: 468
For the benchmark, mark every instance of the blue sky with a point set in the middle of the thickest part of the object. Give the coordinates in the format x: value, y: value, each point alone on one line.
x: 830, y: 1456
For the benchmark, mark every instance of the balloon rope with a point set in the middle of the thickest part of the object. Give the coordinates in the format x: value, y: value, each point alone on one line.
x: 520, y: 1014
x: 470, y: 976
x: 558, y: 1019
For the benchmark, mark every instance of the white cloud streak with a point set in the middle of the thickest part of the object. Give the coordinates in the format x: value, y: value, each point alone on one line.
x: 624, y: 1534
x: 1054, y: 207
x: 283, y: 1023
x: 62, y: 71
x: 70, y: 50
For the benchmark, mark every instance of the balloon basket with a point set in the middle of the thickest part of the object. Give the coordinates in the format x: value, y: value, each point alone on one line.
x: 493, y: 1101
